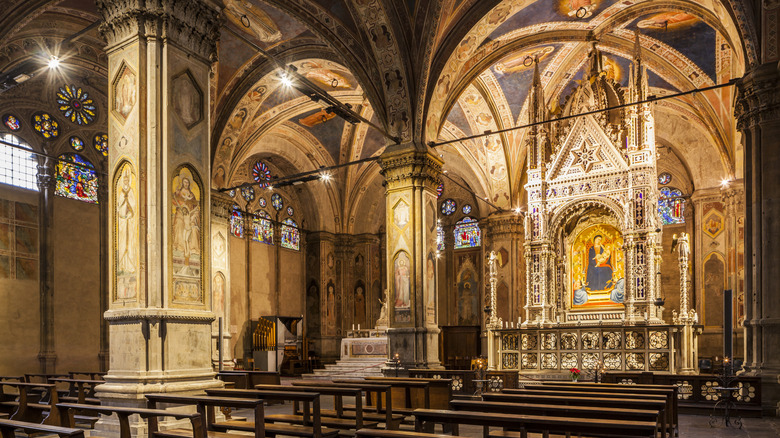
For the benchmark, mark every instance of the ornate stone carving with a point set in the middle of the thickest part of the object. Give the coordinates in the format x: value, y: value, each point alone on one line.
x: 191, y: 24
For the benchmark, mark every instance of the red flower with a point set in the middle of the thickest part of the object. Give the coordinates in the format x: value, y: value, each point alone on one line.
x: 574, y: 371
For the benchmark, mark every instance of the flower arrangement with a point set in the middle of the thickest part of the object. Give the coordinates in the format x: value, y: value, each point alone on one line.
x: 575, y: 374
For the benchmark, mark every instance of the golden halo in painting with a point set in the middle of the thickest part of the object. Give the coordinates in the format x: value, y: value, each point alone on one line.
x: 672, y: 20
x: 597, y: 267
x: 578, y: 8
x: 523, y: 60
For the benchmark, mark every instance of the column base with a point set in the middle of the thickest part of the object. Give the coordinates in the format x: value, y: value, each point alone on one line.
x: 48, y: 362
x: 417, y: 347
x: 131, y: 392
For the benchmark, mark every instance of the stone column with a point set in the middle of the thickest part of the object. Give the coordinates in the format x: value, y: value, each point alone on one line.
x: 412, y: 173
x: 733, y: 197
x: 103, y: 354
x: 47, y: 355
x: 160, y: 311
x: 504, y: 234
x: 758, y: 119
x: 221, y: 210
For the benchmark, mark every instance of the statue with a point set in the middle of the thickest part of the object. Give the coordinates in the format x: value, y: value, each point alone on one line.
x: 383, y: 321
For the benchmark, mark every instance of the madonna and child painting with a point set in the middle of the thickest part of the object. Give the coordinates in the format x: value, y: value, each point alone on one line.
x: 597, y: 267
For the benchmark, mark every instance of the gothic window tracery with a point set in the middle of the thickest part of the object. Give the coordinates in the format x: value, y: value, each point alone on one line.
x: 76, y: 178
x: 467, y: 233
x: 291, y: 236
x: 17, y: 166
x: 671, y: 206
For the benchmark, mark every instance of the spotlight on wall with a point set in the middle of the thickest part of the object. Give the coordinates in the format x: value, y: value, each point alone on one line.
x: 325, y: 177
x: 518, y: 210
x: 270, y: 188
x: 725, y: 182
x: 54, y: 62
x: 285, y: 79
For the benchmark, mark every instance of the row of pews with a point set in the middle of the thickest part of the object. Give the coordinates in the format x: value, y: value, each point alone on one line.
x: 380, y: 407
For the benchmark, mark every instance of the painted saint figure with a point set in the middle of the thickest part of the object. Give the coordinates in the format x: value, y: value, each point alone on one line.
x: 186, y: 220
x: 125, y: 206
x: 402, y: 281
x: 599, y: 274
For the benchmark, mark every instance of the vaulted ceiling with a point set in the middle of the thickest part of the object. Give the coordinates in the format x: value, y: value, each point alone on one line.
x: 428, y: 71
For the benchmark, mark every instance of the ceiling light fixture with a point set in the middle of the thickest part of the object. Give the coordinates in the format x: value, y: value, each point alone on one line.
x: 325, y: 177
x: 725, y: 182
x: 54, y: 62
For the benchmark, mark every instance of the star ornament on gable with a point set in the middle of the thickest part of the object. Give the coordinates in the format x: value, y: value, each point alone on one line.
x: 586, y: 156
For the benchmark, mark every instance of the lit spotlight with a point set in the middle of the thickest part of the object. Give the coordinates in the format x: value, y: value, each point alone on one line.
x: 325, y: 177
x: 286, y: 81
x: 724, y: 182
x: 270, y: 188
x: 518, y: 210
x: 54, y: 62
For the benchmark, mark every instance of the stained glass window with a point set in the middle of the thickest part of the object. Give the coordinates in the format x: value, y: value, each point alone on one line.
x: 237, y: 222
x: 18, y: 167
x: 439, y: 190
x: 248, y: 193
x: 291, y: 236
x: 44, y: 124
x: 467, y: 234
x: 76, y: 105
x: 466, y: 209
x: 12, y: 122
x: 440, y: 238
x: 101, y: 144
x: 671, y: 206
x: 262, y: 228
x: 76, y: 178
x: 276, y: 201
x: 664, y: 178
x: 261, y: 173
x: 261, y: 202
x: 232, y: 193
x: 76, y: 143
x: 290, y: 211
x: 448, y: 207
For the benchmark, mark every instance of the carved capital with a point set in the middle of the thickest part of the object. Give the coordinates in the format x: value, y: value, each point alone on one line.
x: 190, y: 24
x: 221, y: 205
x: 508, y: 225
x: 408, y: 165
x: 758, y: 97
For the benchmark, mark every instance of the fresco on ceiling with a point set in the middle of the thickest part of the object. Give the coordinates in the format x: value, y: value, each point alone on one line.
x: 326, y: 75
x: 458, y: 118
x: 515, y: 73
x: 543, y: 11
x: 253, y: 20
x: 373, y: 142
x: 684, y: 32
x: 338, y: 11
x: 327, y: 130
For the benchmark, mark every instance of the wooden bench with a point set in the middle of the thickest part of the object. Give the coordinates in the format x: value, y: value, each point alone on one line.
x: 80, y: 391
x: 381, y: 433
x: 670, y: 420
x: 439, y: 390
x: 88, y: 375
x: 670, y: 391
x: 406, y: 395
x: 33, y: 404
x: 252, y: 377
x: 426, y: 418
x: 312, y: 422
x: 67, y: 411
x: 555, y: 410
x: 205, y: 407
x: 337, y: 421
x: 8, y: 429
x: 602, y: 402
x: 378, y: 412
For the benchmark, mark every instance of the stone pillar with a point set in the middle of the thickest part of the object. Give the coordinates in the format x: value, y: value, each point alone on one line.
x: 504, y: 235
x: 103, y: 354
x: 221, y: 209
x: 758, y: 119
x: 160, y: 311
x: 412, y: 173
x: 47, y: 355
x: 733, y: 197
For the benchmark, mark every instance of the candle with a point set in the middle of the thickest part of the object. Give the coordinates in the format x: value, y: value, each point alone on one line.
x: 353, y: 327
x: 358, y: 326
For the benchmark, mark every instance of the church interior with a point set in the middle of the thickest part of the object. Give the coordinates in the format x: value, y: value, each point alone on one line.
x: 487, y: 191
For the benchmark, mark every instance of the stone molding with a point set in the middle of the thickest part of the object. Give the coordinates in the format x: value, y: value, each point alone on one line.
x: 191, y: 24
x: 758, y: 97
x: 159, y: 314
x: 221, y: 205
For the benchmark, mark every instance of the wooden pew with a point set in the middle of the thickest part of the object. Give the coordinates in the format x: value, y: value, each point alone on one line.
x: 337, y: 421
x: 254, y: 377
x: 206, y: 415
x: 87, y: 375
x: 378, y: 412
x: 584, y: 400
x: 439, y: 390
x: 556, y: 410
x: 79, y: 390
x: 670, y: 391
x: 381, y: 433
x: 67, y: 411
x: 670, y: 420
x: 8, y: 429
x: 35, y: 408
x: 312, y: 422
x: 239, y: 380
x: 426, y: 418
x: 407, y: 395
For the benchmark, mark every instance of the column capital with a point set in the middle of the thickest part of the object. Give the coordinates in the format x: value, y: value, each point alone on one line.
x: 190, y: 24
x: 408, y: 164
x: 758, y: 97
x: 504, y: 224
x: 221, y: 205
